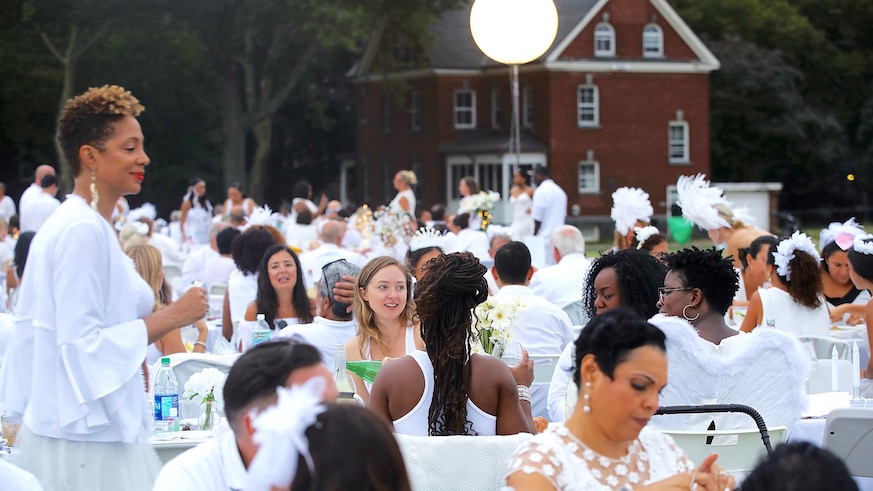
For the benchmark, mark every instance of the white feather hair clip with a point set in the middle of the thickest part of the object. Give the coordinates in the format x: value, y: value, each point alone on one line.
x: 643, y: 233
x: 630, y: 205
x: 698, y: 201
x: 426, y: 237
x: 785, y: 252
x: 863, y: 244
x: 280, y: 431
x: 147, y: 210
x: 843, y: 234
x: 263, y: 215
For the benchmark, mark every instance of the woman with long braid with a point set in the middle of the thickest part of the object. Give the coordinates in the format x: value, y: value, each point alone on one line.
x: 447, y: 390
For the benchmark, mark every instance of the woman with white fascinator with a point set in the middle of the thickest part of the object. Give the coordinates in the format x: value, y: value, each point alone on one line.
x: 794, y: 303
x: 861, y: 272
x: 726, y: 224
x: 846, y: 302
x: 631, y: 209
x: 649, y: 238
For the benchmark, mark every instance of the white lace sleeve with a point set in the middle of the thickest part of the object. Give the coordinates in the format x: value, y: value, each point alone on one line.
x: 666, y: 459
x: 536, y: 456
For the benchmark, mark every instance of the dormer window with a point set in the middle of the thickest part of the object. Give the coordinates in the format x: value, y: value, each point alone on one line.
x: 604, y: 40
x: 653, y: 41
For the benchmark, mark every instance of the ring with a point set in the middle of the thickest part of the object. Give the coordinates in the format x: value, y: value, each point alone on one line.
x: 693, y: 486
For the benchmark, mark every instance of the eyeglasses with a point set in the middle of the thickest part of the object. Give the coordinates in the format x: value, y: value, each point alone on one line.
x: 663, y: 291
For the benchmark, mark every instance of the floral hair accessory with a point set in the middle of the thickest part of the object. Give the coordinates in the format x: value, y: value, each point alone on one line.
x: 863, y: 244
x: 263, y: 215
x: 643, y: 233
x: 630, y: 205
x: 147, y: 210
x: 785, y: 252
x: 426, y: 237
x: 280, y: 431
x: 698, y: 202
x: 843, y: 234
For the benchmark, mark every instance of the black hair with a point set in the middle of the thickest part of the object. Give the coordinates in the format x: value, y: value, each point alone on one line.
x: 48, y: 181
x: 861, y: 263
x: 248, y: 249
x: 799, y: 466
x: 611, y: 336
x: 22, y: 247
x: 542, y: 170
x: 301, y: 190
x: 445, y: 298
x: 826, y: 253
x: 304, y: 216
x: 805, y: 285
x: 462, y: 221
x: 524, y: 175
x: 259, y: 371
x: 512, y: 262
x: 239, y: 187
x: 412, y: 257
x: 438, y: 213
x: 709, y: 272
x: 267, y: 301
x: 649, y: 243
x: 224, y: 240
x: 202, y: 199
x: 369, y: 455
x: 639, y: 277
x: 755, y: 248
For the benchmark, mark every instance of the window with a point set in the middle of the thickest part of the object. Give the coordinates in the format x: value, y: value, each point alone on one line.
x: 465, y: 109
x: 527, y: 108
x: 653, y: 41
x: 604, y: 40
x: 589, y: 177
x: 415, y: 110
x: 386, y: 114
x: 678, y: 142
x: 588, y: 106
x: 496, y: 108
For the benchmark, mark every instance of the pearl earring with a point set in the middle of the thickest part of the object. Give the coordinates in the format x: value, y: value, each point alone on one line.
x: 586, y: 408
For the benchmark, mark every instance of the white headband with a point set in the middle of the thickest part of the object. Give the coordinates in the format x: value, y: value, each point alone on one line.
x: 785, y: 252
x: 843, y: 234
x: 863, y: 244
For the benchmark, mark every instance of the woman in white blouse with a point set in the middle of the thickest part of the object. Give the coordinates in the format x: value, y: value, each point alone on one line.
x: 404, y: 201
x: 75, y: 372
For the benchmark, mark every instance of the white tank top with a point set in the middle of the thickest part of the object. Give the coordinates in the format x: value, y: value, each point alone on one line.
x: 409, y: 343
x: 410, y: 198
x: 790, y: 317
x: 415, y: 421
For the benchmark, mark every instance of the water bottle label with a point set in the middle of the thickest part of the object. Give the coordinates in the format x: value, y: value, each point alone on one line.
x: 260, y: 336
x: 163, y: 404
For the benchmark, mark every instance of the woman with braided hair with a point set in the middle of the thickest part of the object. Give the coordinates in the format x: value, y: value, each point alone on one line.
x: 446, y: 390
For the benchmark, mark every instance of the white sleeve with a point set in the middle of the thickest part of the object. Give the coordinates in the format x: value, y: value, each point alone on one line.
x: 539, y: 207
x: 558, y: 385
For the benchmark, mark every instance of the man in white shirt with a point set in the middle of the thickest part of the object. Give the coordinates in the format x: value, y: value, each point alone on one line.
x: 221, y: 463
x: 549, y: 207
x: 562, y: 283
x: 540, y: 327
x: 35, y: 189
x: 218, y: 269
x: 497, y: 241
x: 334, y: 324
x: 194, y: 266
x: 329, y: 250
x: 469, y: 239
x: 7, y: 205
x: 37, y: 209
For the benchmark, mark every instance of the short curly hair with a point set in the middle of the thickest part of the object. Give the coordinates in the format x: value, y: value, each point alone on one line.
x: 248, y: 249
x: 88, y: 119
x: 709, y: 272
x: 639, y: 276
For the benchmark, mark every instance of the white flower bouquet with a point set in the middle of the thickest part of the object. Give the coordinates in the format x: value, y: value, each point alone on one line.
x: 206, y: 387
x: 493, y: 330
x: 477, y: 205
x: 393, y: 226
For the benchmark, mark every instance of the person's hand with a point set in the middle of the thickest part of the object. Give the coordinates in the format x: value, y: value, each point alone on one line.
x: 322, y: 203
x: 854, y: 320
x: 344, y: 291
x: 837, y: 313
x: 190, y: 307
x: 711, y: 477
x: 524, y: 371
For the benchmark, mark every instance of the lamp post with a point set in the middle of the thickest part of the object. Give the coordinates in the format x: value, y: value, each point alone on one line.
x: 514, y: 32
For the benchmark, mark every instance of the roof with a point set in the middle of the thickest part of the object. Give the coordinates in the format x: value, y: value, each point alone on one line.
x: 490, y: 141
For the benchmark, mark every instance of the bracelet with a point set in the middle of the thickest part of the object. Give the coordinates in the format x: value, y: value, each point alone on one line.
x: 524, y: 393
x: 201, y: 343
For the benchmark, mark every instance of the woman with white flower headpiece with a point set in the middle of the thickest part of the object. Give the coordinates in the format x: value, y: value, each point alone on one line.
x: 650, y: 239
x: 794, y: 303
x: 839, y: 291
x: 726, y: 224
x: 631, y: 209
x: 861, y: 272
x: 196, y: 213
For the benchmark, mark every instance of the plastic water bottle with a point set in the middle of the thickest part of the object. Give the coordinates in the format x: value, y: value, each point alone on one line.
x: 166, y: 396
x: 341, y: 377
x: 261, y: 331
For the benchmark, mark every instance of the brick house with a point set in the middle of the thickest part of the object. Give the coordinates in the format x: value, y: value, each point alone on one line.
x: 620, y: 99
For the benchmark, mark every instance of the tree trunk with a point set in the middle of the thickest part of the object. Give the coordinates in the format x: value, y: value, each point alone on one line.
x: 263, y: 132
x: 234, y: 154
x: 66, y: 180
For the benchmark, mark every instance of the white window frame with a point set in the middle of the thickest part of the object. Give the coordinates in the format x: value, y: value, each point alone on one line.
x: 604, y: 32
x: 595, y: 172
x: 496, y: 108
x: 458, y: 110
x: 677, y: 144
x: 415, y: 110
x: 594, y: 106
x: 527, y: 107
x: 653, y: 37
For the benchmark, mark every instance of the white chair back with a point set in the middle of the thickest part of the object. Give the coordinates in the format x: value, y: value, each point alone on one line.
x: 218, y: 289
x: 458, y: 462
x: 849, y: 435
x: 544, y: 368
x: 576, y: 311
x: 823, y: 347
x: 820, y: 379
x: 738, y: 450
x: 173, y: 275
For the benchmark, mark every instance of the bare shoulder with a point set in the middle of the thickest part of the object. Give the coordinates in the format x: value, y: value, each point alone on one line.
x: 494, y: 369
x: 353, y: 350
x: 251, y: 312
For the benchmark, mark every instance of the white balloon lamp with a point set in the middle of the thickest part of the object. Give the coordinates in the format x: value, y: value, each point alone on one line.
x: 514, y: 32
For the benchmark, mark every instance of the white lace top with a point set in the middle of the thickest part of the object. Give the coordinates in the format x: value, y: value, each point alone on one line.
x: 569, y: 464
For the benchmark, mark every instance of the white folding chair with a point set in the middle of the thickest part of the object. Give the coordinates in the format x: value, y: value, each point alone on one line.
x: 823, y: 347
x: 455, y: 462
x: 576, y: 312
x: 173, y: 276
x: 849, y: 435
x: 738, y: 450
x: 544, y: 368
x: 218, y: 289
x: 820, y: 379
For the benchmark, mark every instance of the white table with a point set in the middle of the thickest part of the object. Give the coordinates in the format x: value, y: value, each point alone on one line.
x: 169, y: 445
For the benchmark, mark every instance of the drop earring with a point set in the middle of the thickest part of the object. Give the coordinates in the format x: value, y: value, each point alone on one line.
x: 95, y: 196
x: 587, y: 398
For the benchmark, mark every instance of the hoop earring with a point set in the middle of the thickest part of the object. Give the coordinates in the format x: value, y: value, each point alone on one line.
x: 685, y: 314
x: 95, y: 196
x: 587, y: 398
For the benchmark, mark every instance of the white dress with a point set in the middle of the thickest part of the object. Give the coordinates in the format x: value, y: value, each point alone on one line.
x: 73, y: 372
x: 522, y: 220
x: 784, y: 314
x: 394, y: 205
x: 197, y: 222
x: 568, y: 464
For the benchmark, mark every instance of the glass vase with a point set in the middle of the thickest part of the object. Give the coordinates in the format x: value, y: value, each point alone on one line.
x: 208, y: 417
